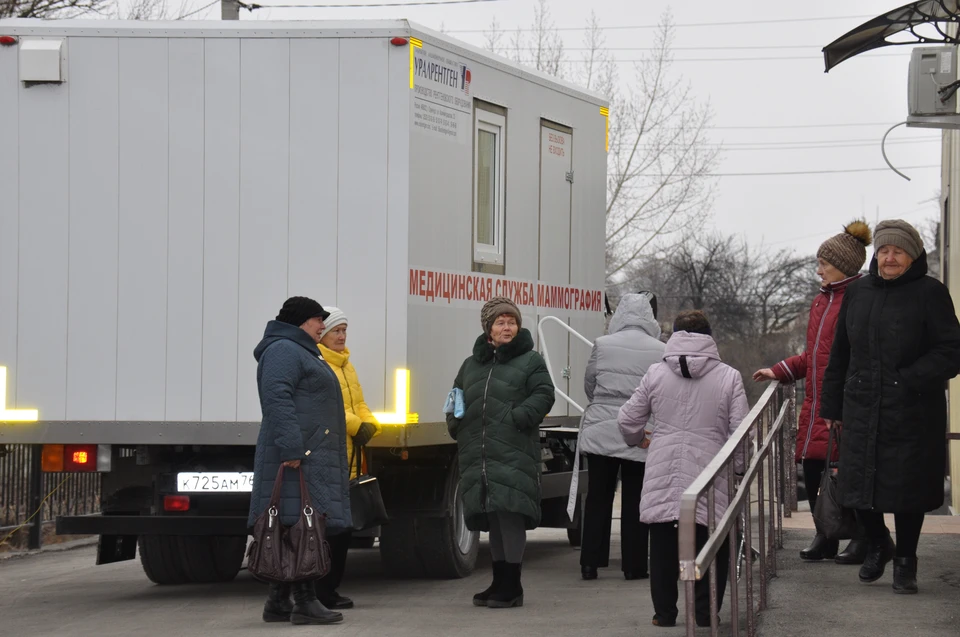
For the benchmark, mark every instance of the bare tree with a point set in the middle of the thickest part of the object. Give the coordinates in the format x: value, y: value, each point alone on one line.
x: 756, y: 299
x: 660, y: 161
x: 156, y: 9
x: 51, y: 8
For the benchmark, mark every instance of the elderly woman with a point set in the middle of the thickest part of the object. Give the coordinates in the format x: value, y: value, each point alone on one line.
x: 507, y: 393
x: 697, y: 402
x: 303, y: 429
x: 617, y: 364
x: 897, y: 343
x: 839, y: 261
x: 361, y: 427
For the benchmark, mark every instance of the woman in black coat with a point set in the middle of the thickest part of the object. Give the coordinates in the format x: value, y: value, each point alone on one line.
x: 897, y: 343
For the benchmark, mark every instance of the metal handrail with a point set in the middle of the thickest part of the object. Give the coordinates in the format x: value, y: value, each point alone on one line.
x: 575, y: 478
x: 546, y: 354
x: 768, y: 422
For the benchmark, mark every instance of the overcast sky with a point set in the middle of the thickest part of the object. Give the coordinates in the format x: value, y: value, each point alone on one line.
x: 762, y: 105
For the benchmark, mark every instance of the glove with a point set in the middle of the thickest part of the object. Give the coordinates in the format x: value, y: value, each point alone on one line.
x: 454, y: 404
x: 365, y: 433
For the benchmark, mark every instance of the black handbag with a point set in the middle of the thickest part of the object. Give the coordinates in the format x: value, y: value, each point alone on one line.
x: 835, y: 522
x: 366, y: 503
x: 289, y: 554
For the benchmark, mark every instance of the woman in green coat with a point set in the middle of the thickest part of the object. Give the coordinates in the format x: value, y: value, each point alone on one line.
x: 507, y: 393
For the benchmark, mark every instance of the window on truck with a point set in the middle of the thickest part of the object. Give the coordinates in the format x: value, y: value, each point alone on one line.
x: 488, y: 202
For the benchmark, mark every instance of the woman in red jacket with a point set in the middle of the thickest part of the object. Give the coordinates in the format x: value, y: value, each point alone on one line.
x: 839, y: 261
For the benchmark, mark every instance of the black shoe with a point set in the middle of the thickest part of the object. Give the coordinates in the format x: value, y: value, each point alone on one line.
x: 820, y: 549
x: 855, y: 552
x: 336, y: 601
x: 307, y: 609
x: 633, y: 575
x: 278, y: 606
x: 878, y: 554
x: 664, y: 622
x: 510, y: 593
x: 588, y: 572
x: 905, y: 575
x: 480, y: 599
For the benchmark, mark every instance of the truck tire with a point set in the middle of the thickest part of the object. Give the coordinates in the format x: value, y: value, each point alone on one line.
x: 210, y: 559
x: 440, y: 547
x: 160, y: 559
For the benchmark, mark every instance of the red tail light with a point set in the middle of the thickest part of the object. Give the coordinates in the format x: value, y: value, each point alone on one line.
x: 80, y: 458
x: 7, y: 40
x: 76, y: 458
x: 176, y: 503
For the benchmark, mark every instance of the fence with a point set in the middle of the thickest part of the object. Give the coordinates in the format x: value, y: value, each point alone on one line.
x: 761, y: 447
x: 26, y: 490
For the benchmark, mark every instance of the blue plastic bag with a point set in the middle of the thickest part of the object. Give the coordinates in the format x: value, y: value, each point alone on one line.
x: 454, y: 404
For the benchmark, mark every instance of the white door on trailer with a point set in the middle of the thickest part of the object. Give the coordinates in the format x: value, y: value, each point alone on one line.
x: 556, y: 161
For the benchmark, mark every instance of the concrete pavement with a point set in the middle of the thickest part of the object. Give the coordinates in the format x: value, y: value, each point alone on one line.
x: 64, y: 594
x: 824, y: 599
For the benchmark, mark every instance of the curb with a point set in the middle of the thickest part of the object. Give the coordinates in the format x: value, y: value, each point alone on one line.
x: 51, y: 548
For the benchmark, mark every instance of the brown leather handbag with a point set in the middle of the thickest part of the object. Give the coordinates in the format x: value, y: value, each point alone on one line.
x: 289, y: 554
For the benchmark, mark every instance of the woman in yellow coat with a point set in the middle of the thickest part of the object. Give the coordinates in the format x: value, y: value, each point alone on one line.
x: 361, y: 427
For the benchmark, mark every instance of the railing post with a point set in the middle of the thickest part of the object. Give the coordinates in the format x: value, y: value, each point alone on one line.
x: 36, y: 497
x: 761, y: 513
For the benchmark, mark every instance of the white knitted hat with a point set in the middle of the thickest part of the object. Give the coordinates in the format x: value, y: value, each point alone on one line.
x: 337, y: 317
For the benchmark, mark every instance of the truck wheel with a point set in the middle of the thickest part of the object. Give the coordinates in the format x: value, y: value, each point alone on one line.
x: 432, y: 547
x: 209, y: 559
x: 160, y: 559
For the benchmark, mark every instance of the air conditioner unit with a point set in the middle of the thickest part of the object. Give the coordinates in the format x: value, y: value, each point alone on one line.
x: 932, y: 88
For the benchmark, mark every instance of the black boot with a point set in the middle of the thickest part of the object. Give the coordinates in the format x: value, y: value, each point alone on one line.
x: 588, y: 572
x: 905, y: 575
x: 510, y: 593
x: 333, y: 599
x: 480, y: 599
x: 278, y: 606
x: 307, y: 609
x: 820, y: 549
x: 855, y: 552
x: 878, y: 554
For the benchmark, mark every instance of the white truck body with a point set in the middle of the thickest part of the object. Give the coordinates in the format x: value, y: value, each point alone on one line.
x: 182, y: 179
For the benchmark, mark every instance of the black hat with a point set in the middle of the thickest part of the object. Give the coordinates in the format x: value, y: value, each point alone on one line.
x: 297, y: 310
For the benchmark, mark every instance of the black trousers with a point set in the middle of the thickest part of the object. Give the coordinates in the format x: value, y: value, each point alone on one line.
x: 339, y: 545
x: 908, y: 527
x: 665, y: 571
x: 598, y: 515
x: 812, y: 475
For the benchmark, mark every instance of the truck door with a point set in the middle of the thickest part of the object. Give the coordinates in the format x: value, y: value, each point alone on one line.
x: 556, y: 161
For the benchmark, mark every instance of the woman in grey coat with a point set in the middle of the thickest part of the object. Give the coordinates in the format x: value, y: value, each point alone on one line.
x: 304, y: 429
x: 617, y: 364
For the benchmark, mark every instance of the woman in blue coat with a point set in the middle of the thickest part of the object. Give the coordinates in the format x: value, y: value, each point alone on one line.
x: 303, y: 429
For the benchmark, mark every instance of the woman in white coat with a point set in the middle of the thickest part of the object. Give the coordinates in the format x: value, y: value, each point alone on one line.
x: 617, y: 365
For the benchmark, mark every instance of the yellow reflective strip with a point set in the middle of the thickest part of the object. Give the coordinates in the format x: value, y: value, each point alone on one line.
x: 415, y: 43
x: 13, y: 415
x: 605, y: 112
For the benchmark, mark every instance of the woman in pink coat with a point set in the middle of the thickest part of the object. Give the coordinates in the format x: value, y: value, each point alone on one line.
x: 697, y: 402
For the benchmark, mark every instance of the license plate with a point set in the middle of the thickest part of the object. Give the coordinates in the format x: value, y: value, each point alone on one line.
x: 215, y: 482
